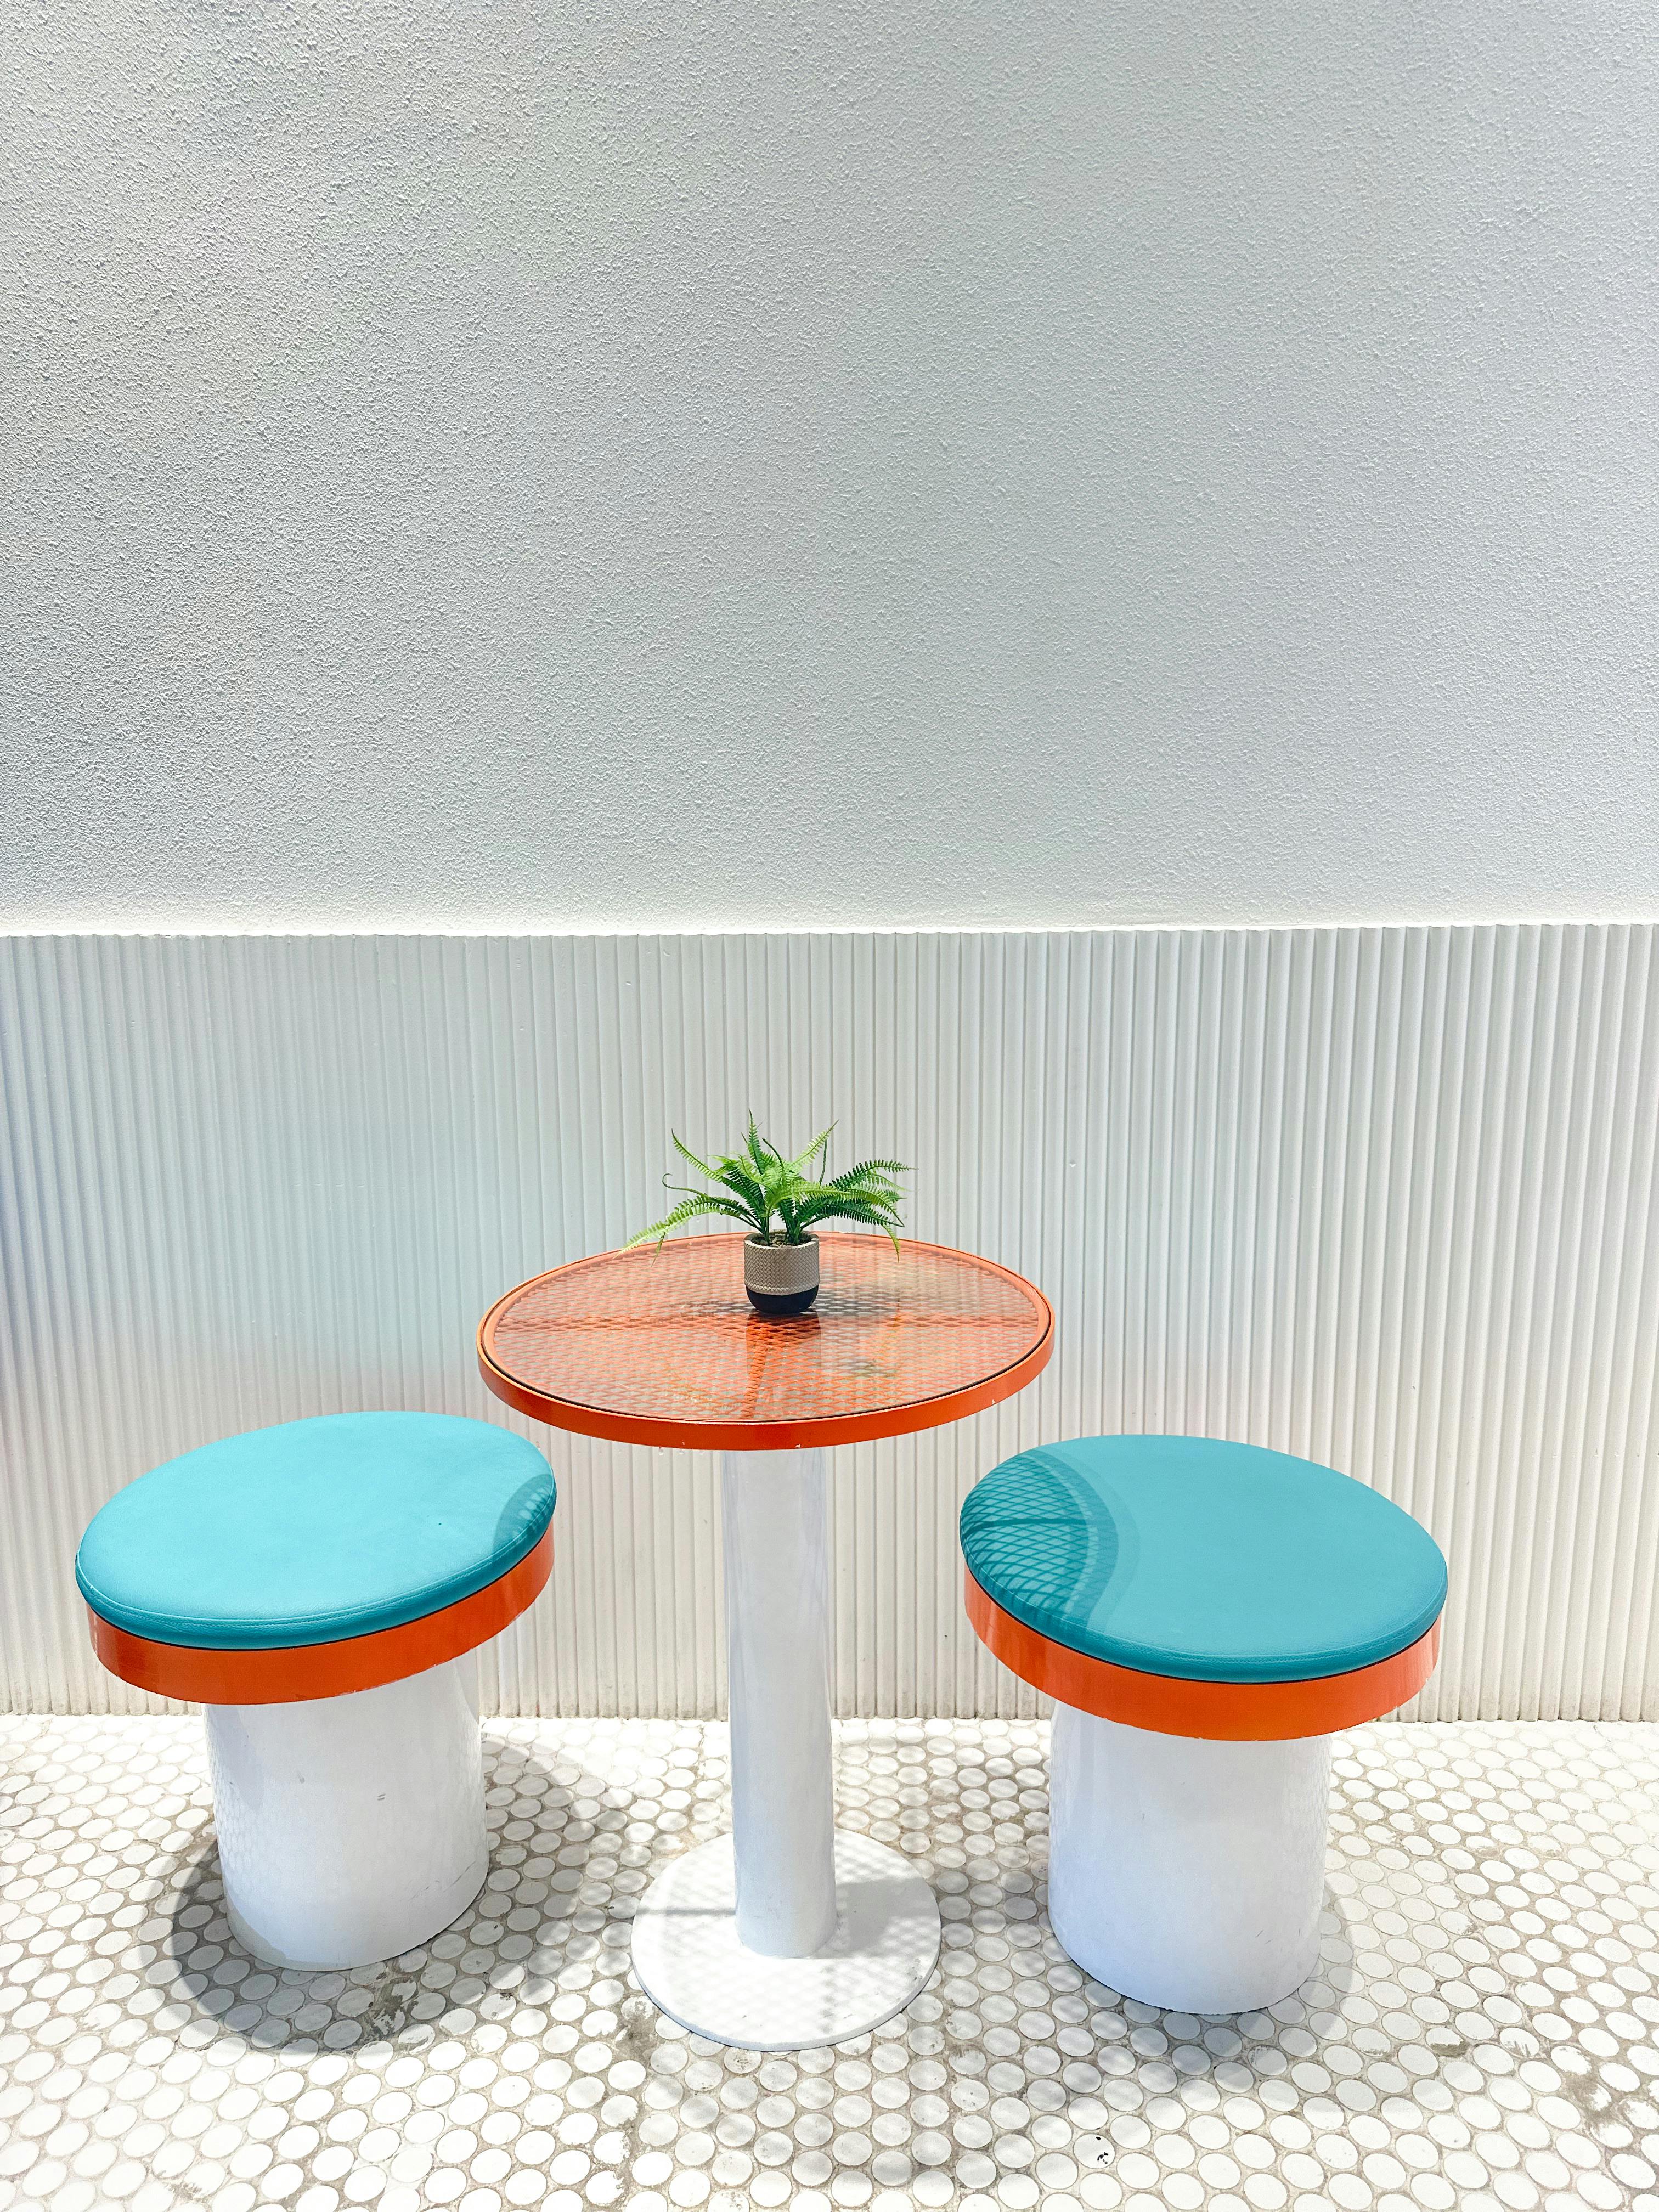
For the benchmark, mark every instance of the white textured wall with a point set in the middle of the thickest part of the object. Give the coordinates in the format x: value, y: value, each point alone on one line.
x: 1384, y: 1198
x: 1063, y: 463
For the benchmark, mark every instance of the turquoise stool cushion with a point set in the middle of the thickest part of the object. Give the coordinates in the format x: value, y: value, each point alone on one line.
x: 315, y: 1531
x: 1214, y: 1562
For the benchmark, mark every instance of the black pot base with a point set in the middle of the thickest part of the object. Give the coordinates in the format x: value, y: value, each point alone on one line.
x: 778, y: 1306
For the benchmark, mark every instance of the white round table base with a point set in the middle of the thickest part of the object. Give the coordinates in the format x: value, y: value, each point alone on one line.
x: 350, y: 1828
x: 1187, y: 1873
x: 692, y: 1966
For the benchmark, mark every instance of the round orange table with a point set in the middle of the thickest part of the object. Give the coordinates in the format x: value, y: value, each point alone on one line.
x: 786, y: 1933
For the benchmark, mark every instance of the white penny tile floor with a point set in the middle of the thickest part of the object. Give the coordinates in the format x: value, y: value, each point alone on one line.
x: 1483, y: 2031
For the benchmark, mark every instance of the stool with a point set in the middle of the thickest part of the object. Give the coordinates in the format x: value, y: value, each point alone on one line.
x: 1205, y: 1615
x: 313, y: 1586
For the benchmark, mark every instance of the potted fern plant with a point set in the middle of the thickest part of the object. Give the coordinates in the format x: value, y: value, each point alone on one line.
x: 778, y: 1200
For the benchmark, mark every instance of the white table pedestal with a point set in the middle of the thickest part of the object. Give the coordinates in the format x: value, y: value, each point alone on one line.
x: 350, y: 1828
x: 1184, y: 1872
x: 785, y: 1933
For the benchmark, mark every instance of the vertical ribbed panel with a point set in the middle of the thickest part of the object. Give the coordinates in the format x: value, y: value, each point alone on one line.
x: 1384, y: 1198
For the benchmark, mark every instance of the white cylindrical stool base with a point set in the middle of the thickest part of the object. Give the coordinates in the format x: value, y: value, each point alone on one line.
x: 1184, y: 1872
x: 350, y: 1828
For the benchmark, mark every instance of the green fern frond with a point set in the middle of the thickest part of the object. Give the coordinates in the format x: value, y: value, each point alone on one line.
x: 816, y: 1145
x: 696, y: 1207
x: 873, y: 1192
x: 866, y: 1214
x: 757, y: 1185
x: 687, y: 1154
x: 759, y: 1150
x: 737, y: 1178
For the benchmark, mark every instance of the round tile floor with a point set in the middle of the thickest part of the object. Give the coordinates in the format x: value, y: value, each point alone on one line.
x: 1483, y: 2032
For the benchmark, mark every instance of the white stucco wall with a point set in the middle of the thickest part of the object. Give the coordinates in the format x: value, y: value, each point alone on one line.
x: 676, y: 466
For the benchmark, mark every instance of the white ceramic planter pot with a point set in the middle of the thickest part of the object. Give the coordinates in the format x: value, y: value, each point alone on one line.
x: 781, y: 1279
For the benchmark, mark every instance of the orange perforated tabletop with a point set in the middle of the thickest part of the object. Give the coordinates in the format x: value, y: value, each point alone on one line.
x: 662, y: 1347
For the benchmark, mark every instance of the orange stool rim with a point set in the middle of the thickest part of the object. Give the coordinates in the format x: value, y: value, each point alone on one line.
x: 295, y: 1674
x: 1169, y: 1704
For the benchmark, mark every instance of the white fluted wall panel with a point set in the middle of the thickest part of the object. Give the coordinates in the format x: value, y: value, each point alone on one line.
x: 1386, y: 1197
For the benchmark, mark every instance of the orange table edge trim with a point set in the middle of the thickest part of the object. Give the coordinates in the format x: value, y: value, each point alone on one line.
x: 1169, y: 1704
x: 766, y: 1435
x: 293, y: 1672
